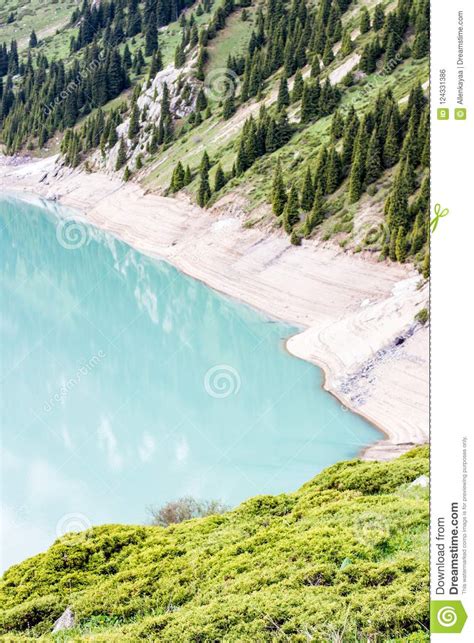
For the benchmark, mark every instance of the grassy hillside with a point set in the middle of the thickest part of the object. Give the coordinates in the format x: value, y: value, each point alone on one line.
x: 345, y: 558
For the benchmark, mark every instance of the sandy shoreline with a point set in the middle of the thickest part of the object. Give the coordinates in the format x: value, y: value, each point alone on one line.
x: 353, y: 309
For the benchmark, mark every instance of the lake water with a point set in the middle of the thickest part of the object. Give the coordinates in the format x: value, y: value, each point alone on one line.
x: 125, y: 383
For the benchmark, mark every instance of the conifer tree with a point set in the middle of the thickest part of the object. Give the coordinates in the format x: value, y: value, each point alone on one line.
x: 347, y: 45
x: 328, y: 54
x: 283, y: 94
x: 358, y: 164
x: 316, y: 216
x: 398, y: 204
x: 229, y: 109
x: 337, y: 126
x: 291, y: 213
x: 219, y: 179
x: 127, y: 173
x: 400, y: 245
x: 379, y: 18
x: 134, y: 126
x: 391, y: 149
x: 121, y: 155
x: 426, y: 265
x: 33, y: 40
x: 201, y: 101
x: 151, y: 34
x: 307, y: 195
x: 310, y: 101
x: 364, y: 23
x: 204, y: 191
x: 179, y: 56
x: 321, y: 171
x: 278, y: 192
x: 178, y: 178
x: 298, y: 86
x: 187, y: 175
x: 374, y: 159
x: 315, y: 66
x: 333, y: 171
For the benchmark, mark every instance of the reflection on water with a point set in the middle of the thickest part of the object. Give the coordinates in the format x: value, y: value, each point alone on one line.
x: 125, y: 383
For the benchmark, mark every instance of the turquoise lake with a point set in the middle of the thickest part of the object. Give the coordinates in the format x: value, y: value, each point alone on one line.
x: 125, y: 383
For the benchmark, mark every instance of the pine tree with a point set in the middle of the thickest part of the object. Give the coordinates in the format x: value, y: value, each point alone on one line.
x: 187, y: 175
x: 127, y: 173
x: 350, y: 132
x: 121, y: 155
x: 347, y: 45
x: 391, y: 150
x: 316, y: 217
x: 400, y: 245
x: 229, y: 109
x: 178, y: 178
x: 291, y: 213
x: 315, y: 66
x: 204, y: 191
x: 278, y: 192
x: 426, y: 265
x: 298, y: 86
x: 364, y: 23
x: 321, y: 171
x: 33, y: 40
x: 134, y: 126
x: 205, y: 164
x: 310, y: 101
x: 358, y: 166
x: 398, y: 204
x: 337, y: 126
x: 151, y: 34
x: 328, y: 54
x: 283, y: 94
x: 374, y: 159
x: 379, y: 18
x: 307, y: 195
x: 179, y: 56
x: 333, y: 171
x: 219, y: 179
x: 156, y: 64
x: 421, y: 44
x: 201, y: 101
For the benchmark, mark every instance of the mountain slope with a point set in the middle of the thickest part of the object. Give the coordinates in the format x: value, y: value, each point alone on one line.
x: 230, y: 96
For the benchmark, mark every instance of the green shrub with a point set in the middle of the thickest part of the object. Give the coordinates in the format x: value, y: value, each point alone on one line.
x: 348, y: 552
